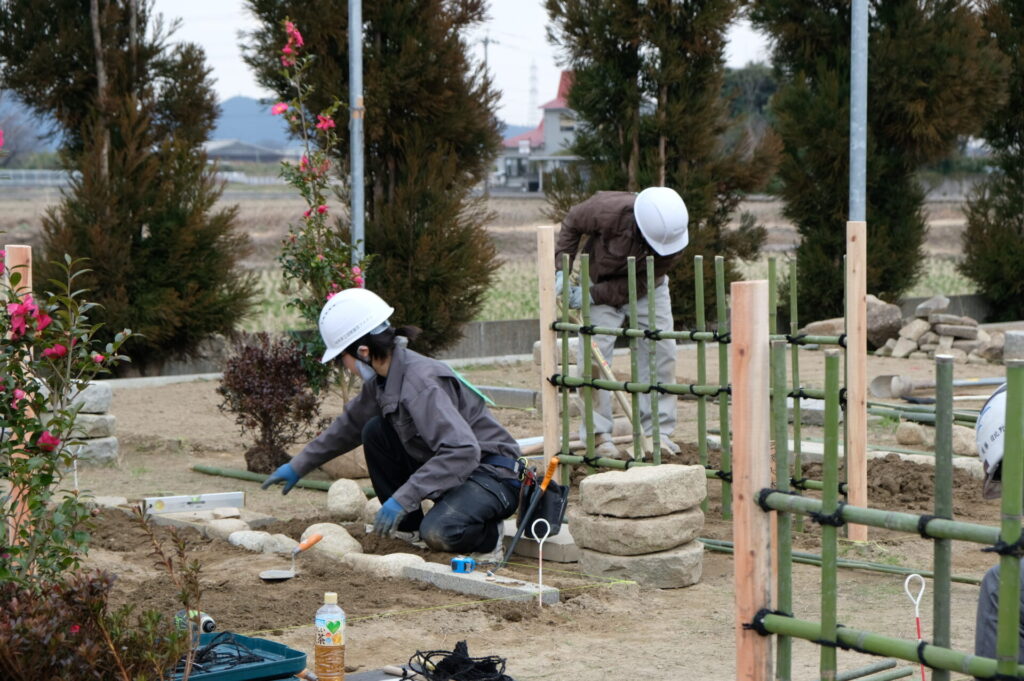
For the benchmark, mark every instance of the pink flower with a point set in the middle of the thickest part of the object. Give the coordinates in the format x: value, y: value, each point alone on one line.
x: 74, y: 628
x: 43, y: 320
x: 56, y: 352
x: 286, y: 62
x: 306, y: 213
x: 1, y: 139
x: 293, y: 34
x: 358, y: 281
x: 322, y: 208
x: 320, y: 256
x: 21, y: 313
x: 331, y: 295
x: 304, y: 164
x: 287, y: 49
x: 48, y: 442
x: 324, y: 122
x: 3, y: 253
x: 98, y: 358
x: 278, y: 109
x: 19, y: 395
x: 356, y: 269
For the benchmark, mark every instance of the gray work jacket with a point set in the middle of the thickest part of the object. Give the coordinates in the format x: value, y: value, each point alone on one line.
x: 444, y: 425
x: 606, y: 218
x: 988, y: 615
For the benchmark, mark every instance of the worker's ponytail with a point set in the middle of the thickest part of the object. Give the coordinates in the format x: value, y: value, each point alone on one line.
x: 382, y: 344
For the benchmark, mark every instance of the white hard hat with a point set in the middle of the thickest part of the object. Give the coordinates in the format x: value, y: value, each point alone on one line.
x: 348, y: 316
x: 662, y: 217
x: 988, y: 434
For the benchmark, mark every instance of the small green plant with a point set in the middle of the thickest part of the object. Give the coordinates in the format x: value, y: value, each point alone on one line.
x: 266, y: 387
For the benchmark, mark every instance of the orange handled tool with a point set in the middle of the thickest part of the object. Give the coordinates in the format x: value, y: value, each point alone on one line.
x: 313, y: 538
x: 270, y: 576
x: 534, y: 500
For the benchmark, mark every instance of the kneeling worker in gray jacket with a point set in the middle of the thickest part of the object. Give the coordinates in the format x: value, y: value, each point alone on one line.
x: 425, y: 434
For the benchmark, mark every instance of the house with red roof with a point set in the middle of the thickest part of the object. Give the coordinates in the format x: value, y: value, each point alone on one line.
x: 527, y: 157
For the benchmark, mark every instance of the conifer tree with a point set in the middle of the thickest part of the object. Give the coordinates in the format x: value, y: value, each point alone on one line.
x: 994, y: 238
x: 932, y: 74
x: 132, y: 116
x: 648, y: 91
x: 430, y: 133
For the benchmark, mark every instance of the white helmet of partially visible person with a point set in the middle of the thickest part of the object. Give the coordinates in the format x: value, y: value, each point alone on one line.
x: 348, y: 316
x: 989, y: 432
x: 663, y: 219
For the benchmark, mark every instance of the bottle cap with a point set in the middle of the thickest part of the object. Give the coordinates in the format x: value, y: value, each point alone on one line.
x: 331, y: 598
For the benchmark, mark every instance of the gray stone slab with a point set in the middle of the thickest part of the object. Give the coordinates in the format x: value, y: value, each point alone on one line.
x: 915, y: 329
x: 1013, y: 345
x: 676, y: 568
x: 101, y: 451
x: 903, y: 348
x: 644, y: 492
x: 477, y: 583
x: 956, y: 320
x: 511, y: 398
x: 91, y: 425
x: 932, y: 305
x: 93, y: 399
x: 957, y: 330
x: 635, y: 536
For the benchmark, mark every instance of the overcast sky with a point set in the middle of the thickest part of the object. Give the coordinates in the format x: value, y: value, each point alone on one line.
x: 517, y: 43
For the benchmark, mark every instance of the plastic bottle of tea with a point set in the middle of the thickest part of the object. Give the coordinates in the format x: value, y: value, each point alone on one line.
x: 329, y: 652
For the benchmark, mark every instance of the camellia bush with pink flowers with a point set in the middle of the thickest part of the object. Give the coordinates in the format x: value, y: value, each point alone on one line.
x: 47, y: 354
x: 316, y: 255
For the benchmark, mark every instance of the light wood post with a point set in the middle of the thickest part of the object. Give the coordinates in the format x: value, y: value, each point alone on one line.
x: 856, y: 371
x: 18, y: 259
x: 751, y: 472
x: 546, y: 290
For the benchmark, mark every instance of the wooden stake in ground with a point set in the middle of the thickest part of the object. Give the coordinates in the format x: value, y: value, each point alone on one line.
x: 751, y: 472
x: 18, y: 259
x: 857, y: 371
x: 546, y: 290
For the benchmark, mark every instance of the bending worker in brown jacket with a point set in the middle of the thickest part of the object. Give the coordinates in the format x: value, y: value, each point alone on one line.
x: 618, y: 225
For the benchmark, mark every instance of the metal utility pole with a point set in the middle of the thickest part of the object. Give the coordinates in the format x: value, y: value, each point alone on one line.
x: 858, y: 108
x: 355, y: 104
x: 487, y: 40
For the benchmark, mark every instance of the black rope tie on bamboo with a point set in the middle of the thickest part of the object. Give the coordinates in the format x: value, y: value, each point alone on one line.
x: 593, y: 461
x: 588, y: 330
x: 834, y: 519
x: 757, y: 624
x: 693, y: 334
x: 920, y: 652
x: 1015, y: 549
x: 555, y: 380
x: 797, y: 339
x: 653, y: 334
x: 725, y: 476
x: 721, y: 338
x: 842, y: 399
x: 798, y: 483
x: 762, y: 496
x: 842, y: 339
x: 922, y: 526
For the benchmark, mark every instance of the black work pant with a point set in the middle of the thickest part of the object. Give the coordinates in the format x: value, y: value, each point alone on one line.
x: 464, y: 520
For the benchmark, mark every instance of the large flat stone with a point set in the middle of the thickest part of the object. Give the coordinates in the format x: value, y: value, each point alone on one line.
x: 337, y: 542
x: 477, y: 583
x: 883, y: 321
x: 915, y: 329
x: 346, y: 500
x: 932, y: 305
x: 957, y: 330
x: 93, y: 399
x: 90, y: 425
x: 825, y: 327
x: 222, y: 528
x: 101, y: 451
x: 904, y: 346
x: 251, y: 540
x: 956, y: 320
x: 390, y: 565
x: 351, y: 465
x: 635, y: 536
x: 964, y: 443
x: 644, y: 492
x: 992, y: 350
x: 671, y: 569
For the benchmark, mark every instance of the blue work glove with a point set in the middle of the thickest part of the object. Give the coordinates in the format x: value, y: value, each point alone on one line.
x: 284, y: 473
x: 558, y: 282
x: 575, y: 292
x: 388, y: 517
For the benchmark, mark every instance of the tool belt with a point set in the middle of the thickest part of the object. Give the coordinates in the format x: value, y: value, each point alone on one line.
x: 517, y: 466
x: 551, y: 506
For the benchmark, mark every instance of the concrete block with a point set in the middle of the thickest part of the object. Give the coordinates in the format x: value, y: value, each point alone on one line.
x: 956, y: 320
x: 928, y: 337
x: 644, y: 492
x: 903, y: 348
x: 477, y: 583
x: 933, y: 305
x: 957, y: 330
x: 226, y: 512
x: 1013, y: 345
x: 251, y: 540
x: 559, y: 549
x: 222, y: 528
x: 101, y: 451
x: 671, y: 569
x: 635, y: 536
x: 337, y: 542
x: 195, y: 520
x: 946, y: 343
x: 512, y: 398
x: 964, y: 442
x: 915, y: 329
x: 346, y: 500
x: 390, y: 565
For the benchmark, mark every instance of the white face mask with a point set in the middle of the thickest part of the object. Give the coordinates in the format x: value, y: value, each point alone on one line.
x: 366, y: 372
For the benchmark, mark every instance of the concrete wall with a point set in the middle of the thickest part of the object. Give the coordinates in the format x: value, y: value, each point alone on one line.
x: 495, y: 339
x: 968, y: 305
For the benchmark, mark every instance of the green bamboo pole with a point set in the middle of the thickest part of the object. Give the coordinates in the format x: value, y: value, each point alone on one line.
x: 702, y: 370
x: 877, y: 644
x: 773, y: 296
x: 723, y: 379
x: 784, y: 584
x: 588, y: 356
x: 830, y: 502
x: 634, y: 370
x: 901, y: 673
x: 804, y: 558
x: 794, y: 327
x: 692, y: 335
x: 566, y: 435
x: 943, y: 548
x: 628, y: 386
x: 1007, y: 636
x: 652, y: 322
x: 879, y: 666
x: 321, y: 485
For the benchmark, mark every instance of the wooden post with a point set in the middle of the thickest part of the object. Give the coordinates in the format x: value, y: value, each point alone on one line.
x: 546, y: 290
x: 18, y: 259
x: 856, y: 371
x: 751, y: 472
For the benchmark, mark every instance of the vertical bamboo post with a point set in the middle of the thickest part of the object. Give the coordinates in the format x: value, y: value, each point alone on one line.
x: 548, y: 315
x: 1007, y: 636
x: 773, y: 297
x: 857, y: 371
x: 588, y: 356
x: 784, y: 552
x: 566, y: 436
x: 652, y: 317
x: 751, y: 473
x: 634, y: 367
x: 830, y: 502
x: 702, y: 369
x: 794, y: 327
x: 723, y: 380
x: 18, y: 259
x: 943, y: 504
